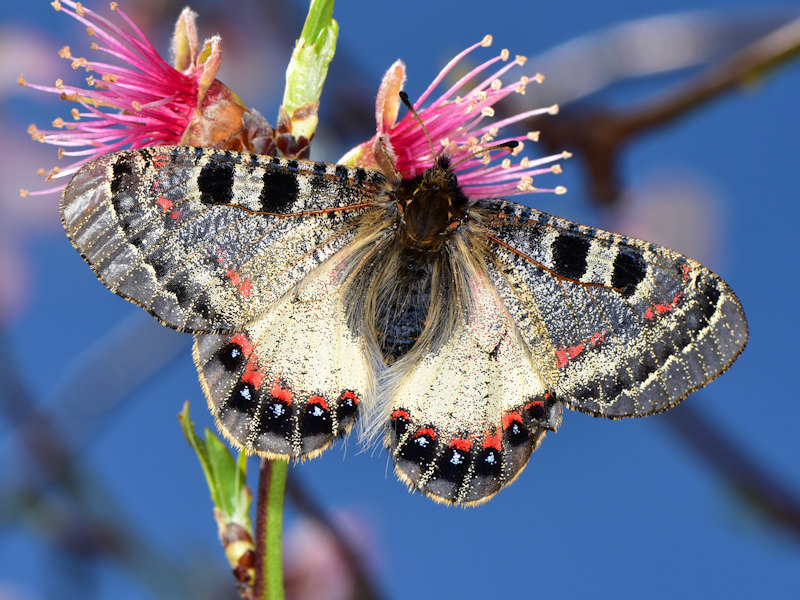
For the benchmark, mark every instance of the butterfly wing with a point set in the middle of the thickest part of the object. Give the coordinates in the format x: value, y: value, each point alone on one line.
x: 205, y: 240
x: 623, y: 327
x: 291, y: 380
x: 466, y: 416
x: 246, y: 250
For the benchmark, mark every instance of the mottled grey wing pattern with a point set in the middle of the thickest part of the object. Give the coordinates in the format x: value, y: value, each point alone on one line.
x: 204, y: 239
x: 619, y: 326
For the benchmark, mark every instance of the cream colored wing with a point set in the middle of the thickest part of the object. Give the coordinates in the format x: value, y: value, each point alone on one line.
x: 291, y: 380
x: 466, y: 417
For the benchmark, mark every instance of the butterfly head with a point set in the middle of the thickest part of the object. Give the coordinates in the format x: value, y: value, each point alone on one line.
x: 431, y: 206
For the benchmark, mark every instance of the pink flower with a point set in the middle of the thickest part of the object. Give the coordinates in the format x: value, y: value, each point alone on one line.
x: 142, y: 100
x: 458, y: 125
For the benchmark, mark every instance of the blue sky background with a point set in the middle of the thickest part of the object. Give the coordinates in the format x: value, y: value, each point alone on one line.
x: 604, y: 509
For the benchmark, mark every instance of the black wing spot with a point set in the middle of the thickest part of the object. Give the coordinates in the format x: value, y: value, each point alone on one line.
x: 454, y: 464
x: 202, y: 306
x: 231, y: 356
x: 569, y: 255
x: 123, y: 176
x: 629, y: 271
x: 161, y: 262
x: 361, y: 176
x: 341, y: 173
x: 176, y: 286
x: 421, y: 448
x: 643, y: 367
x: 242, y: 399
x: 280, y: 190
x: 215, y: 183
x: 516, y: 433
x: 276, y: 417
x: 320, y: 168
x: 316, y: 418
x: 346, y: 410
x: 489, y: 463
x: 709, y: 298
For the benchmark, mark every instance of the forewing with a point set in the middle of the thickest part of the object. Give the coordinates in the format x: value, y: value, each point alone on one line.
x: 622, y: 327
x: 207, y: 239
x: 466, y: 417
x: 292, y: 379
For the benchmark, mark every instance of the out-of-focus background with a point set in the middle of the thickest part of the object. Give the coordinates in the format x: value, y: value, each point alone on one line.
x: 101, y: 497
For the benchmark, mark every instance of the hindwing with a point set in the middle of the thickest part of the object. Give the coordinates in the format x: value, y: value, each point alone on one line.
x: 206, y: 240
x: 292, y: 379
x: 630, y: 328
x: 467, y: 413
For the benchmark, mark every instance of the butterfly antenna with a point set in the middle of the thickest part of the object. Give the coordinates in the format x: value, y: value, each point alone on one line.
x: 404, y: 98
x: 510, y: 145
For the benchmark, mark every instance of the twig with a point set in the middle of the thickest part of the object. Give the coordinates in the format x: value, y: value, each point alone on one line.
x: 598, y: 136
x: 776, y: 501
x: 90, y: 523
x: 365, y: 589
x: 269, y: 530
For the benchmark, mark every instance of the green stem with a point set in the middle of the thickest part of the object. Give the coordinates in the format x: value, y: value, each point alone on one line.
x: 269, y: 527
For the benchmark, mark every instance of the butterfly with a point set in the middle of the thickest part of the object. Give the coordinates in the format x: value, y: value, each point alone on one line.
x: 453, y: 330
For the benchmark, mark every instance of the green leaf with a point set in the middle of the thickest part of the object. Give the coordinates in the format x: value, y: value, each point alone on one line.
x: 320, y: 15
x: 308, y: 66
x: 226, y: 477
x: 225, y: 474
x: 191, y: 436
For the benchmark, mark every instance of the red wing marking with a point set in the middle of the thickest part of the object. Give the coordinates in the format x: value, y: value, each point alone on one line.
x: 253, y: 375
x: 462, y: 444
x: 244, y: 343
x: 244, y: 286
x: 530, y: 405
x: 354, y: 398
x: 596, y: 338
x: 492, y: 441
x: 564, y: 355
x: 509, y: 418
x: 164, y: 203
x: 567, y: 353
x: 426, y: 431
x: 281, y: 393
x: 660, y: 309
x: 320, y: 401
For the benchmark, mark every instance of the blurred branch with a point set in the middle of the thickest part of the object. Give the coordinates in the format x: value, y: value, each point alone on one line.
x: 597, y: 136
x: 365, y: 588
x: 83, y: 519
x: 642, y: 48
x: 760, y: 489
